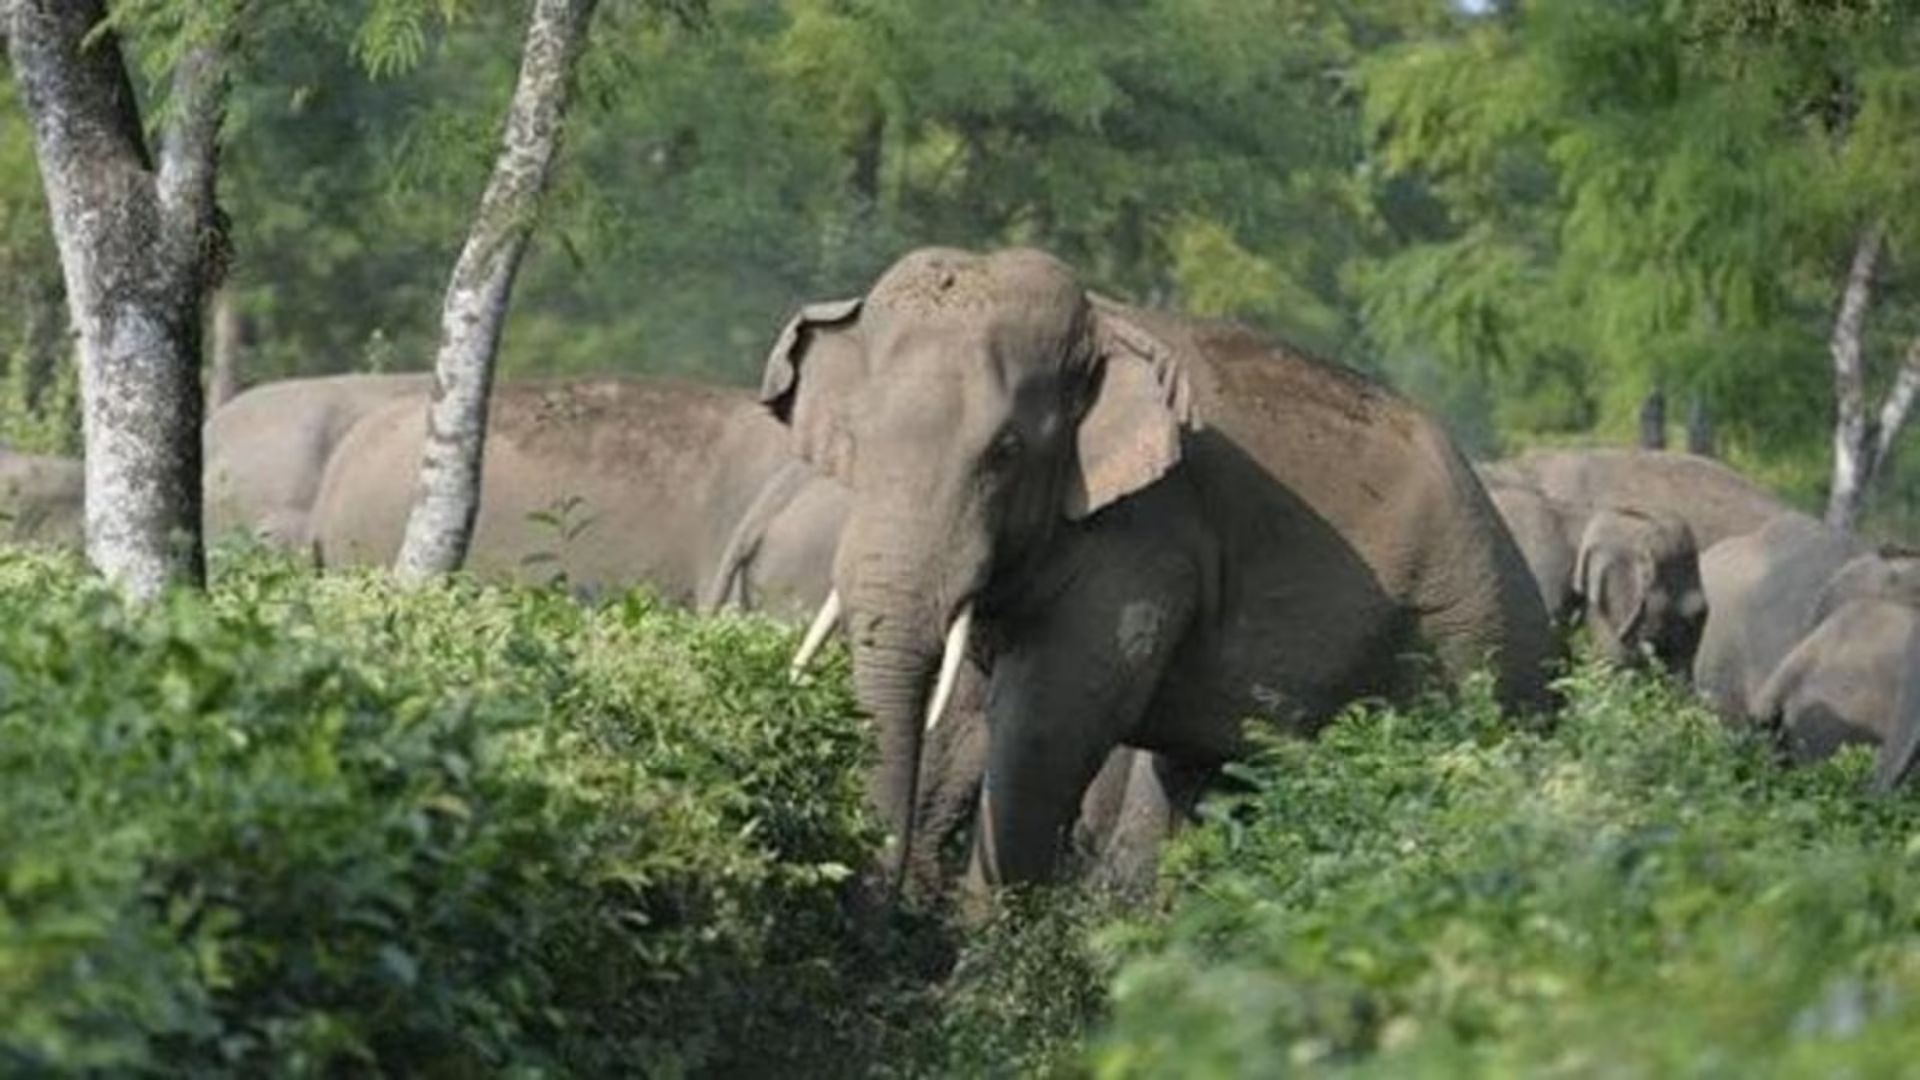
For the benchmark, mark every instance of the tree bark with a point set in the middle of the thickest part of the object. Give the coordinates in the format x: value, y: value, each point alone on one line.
x: 1653, y: 420
x: 1854, y: 443
x: 440, y: 527
x: 139, y: 245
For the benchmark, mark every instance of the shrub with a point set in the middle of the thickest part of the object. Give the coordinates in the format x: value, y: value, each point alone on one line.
x: 1637, y: 893
x: 320, y: 825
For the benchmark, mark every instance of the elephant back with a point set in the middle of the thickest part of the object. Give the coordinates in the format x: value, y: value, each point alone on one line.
x: 1763, y: 591
x: 1304, y: 455
x: 612, y: 482
x: 1715, y: 501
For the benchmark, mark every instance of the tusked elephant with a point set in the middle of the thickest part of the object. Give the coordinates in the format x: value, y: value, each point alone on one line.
x: 1155, y: 528
x: 611, y: 482
x: 1852, y: 678
x: 1713, y: 500
x: 267, y: 448
x: 1763, y: 591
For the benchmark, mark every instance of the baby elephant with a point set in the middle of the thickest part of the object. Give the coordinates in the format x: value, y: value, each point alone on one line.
x: 1637, y: 576
x: 1852, y: 679
x: 1631, y: 574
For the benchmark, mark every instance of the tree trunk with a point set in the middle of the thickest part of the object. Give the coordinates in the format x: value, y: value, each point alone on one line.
x: 1653, y: 421
x: 440, y: 527
x: 1854, y: 443
x: 139, y: 245
x: 866, y: 164
x: 1699, y: 427
x: 229, y: 341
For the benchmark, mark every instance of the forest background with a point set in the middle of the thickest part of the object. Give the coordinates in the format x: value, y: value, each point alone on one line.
x: 1532, y: 217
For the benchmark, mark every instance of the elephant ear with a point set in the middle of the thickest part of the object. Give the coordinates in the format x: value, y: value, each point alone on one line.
x: 1141, y: 401
x: 1613, y: 584
x: 821, y: 348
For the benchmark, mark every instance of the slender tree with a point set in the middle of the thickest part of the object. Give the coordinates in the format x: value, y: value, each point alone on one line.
x: 141, y: 241
x: 441, y: 525
x: 1863, y: 437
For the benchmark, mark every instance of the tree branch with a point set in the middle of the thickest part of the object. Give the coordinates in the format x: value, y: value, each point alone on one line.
x: 1898, y: 403
x: 190, y: 154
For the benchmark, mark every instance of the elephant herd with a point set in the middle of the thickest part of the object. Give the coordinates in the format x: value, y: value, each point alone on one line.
x: 1077, y: 548
x: 1805, y: 632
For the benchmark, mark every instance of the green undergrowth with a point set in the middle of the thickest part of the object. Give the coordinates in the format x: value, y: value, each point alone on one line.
x: 1429, y: 893
x: 308, y: 826
x: 302, y: 826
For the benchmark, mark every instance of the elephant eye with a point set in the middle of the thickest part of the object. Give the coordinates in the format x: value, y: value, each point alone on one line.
x: 1006, y: 450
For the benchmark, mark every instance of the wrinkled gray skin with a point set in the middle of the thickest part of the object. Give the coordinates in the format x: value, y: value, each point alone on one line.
x: 611, y: 482
x: 1637, y: 576
x: 41, y: 500
x: 1851, y: 680
x: 1163, y: 527
x: 1763, y: 594
x: 1714, y: 501
x: 267, y: 448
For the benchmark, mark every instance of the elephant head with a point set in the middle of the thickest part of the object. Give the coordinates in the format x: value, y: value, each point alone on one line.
x: 1638, y: 576
x: 973, y: 406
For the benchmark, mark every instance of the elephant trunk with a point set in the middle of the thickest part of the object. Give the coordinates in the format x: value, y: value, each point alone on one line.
x: 908, y: 624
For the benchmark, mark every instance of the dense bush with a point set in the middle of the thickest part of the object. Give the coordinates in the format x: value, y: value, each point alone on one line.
x: 304, y: 825
x: 319, y: 825
x: 1637, y: 893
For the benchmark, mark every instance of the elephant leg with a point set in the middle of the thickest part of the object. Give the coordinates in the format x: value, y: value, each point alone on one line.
x: 952, y: 762
x: 1160, y: 794
x: 1072, y: 683
x: 1100, y: 807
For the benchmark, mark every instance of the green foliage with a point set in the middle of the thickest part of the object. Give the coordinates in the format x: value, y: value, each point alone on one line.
x: 1421, y: 892
x: 36, y: 418
x: 321, y: 825
x: 1647, y: 194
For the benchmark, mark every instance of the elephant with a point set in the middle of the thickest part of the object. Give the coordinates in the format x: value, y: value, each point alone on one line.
x: 1889, y: 573
x: 779, y: 553
x: 42, y: 499
x: 267, y: 449
x: 1155, y: 527
x: 1548, y: 533
x: 609, y: 482
x: 1632, y: 576
x: 1851, y: 680
x: 1713, y: 500
x: 1637, y: 574
x: 1763, y: 592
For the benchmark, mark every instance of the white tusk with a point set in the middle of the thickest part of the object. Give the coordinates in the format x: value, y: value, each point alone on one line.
x: 950, y: 665
x: 816, y: 635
